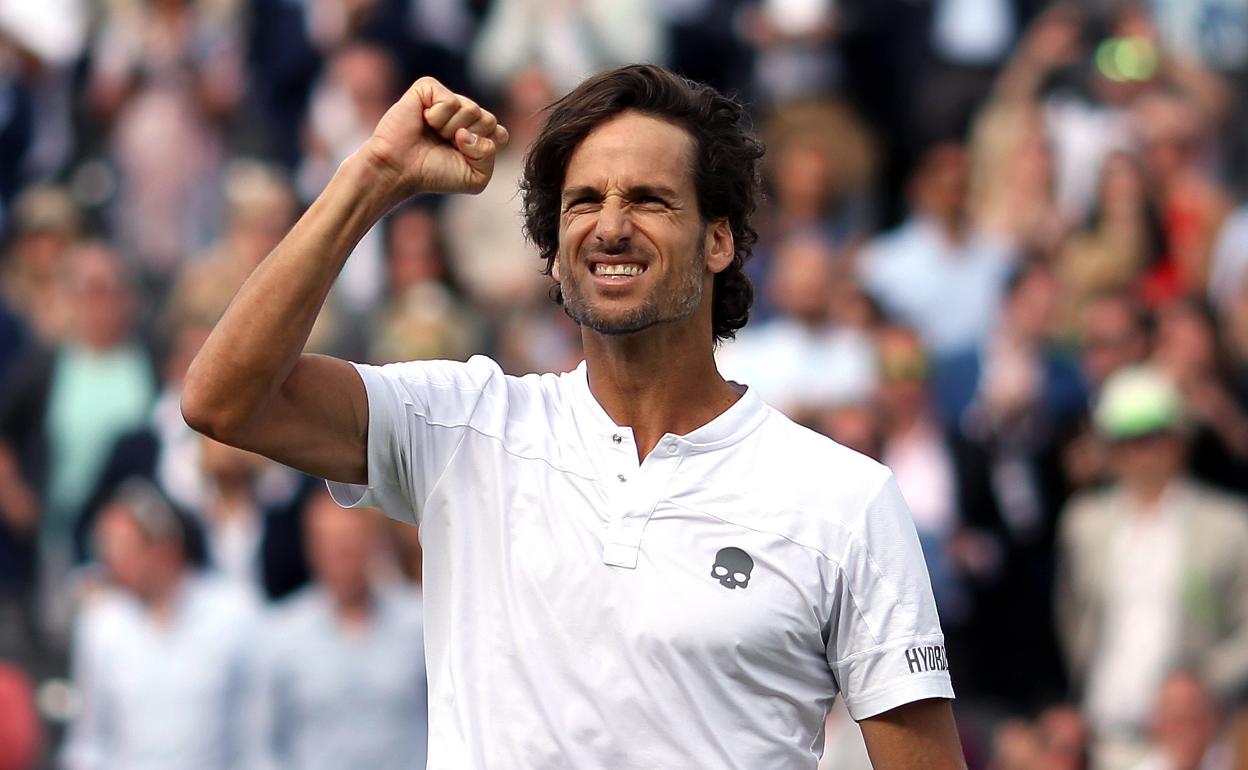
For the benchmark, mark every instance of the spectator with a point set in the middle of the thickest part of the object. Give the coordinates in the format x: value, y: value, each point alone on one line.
x: 1120, y: 239
x: 1153, y: 570
x: 1007, y: 445
x: 489, y: 255
x: 818, y: 170
x: 916, y: 449
x: 69, y: 406
x: 339, y: 678
x: 569, y: 41
x: 158, y: 655
x: 964, y: 271
x: 1186, y: 728
x: 165, y: 79
x: 1017, y: 373
x: 795, y: 52
x: 800, y: 360
x: 44, y: 226
x: 360, y: 81
x: 1189, y: 349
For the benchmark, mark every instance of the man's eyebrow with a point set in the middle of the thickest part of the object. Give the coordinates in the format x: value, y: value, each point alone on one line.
x: 636, y: 191
x: 645, y: 190
x: 580, y: 191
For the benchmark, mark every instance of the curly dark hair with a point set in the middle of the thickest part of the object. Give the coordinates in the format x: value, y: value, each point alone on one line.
x: 725, y: 172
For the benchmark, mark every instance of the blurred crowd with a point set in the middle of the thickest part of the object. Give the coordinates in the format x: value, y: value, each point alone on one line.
x: 1004, y: 250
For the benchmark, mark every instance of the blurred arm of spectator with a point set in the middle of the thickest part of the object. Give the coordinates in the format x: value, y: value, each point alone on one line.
x: 768, y: 23
x: 19, y: 507
x: 1052, y: 41
x: 201, y: 40
x: 21, y: 435
x: 571, y: 39
x: 20, y: 732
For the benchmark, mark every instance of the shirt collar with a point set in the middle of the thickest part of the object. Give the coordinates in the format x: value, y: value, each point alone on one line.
x: 732, y: 425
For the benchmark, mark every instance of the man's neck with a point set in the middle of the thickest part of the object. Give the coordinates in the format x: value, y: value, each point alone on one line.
x: 353, y: 610
x: 662, y: 380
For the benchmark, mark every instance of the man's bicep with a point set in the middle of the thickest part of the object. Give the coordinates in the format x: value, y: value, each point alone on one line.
x: 921, y: 734
x: 318, y: 421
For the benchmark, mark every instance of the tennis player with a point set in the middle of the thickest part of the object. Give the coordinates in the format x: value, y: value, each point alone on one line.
x: 635, y: 564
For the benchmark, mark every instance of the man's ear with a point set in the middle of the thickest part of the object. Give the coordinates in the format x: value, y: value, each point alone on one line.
x: 719, y: 245
x: 554, y: 270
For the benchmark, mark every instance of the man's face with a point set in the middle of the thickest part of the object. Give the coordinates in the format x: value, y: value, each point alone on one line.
x: 341, y: 545
x: 632, y: 243
x: 122, y: 547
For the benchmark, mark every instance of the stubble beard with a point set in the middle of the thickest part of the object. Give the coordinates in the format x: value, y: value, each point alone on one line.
x: 660, y: 306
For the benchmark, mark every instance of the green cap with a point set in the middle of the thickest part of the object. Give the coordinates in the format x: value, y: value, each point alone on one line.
x: 1136, y: 401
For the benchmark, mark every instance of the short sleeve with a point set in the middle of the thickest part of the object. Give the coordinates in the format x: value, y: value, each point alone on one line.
x: 418, y: 413
x: 886, y: 648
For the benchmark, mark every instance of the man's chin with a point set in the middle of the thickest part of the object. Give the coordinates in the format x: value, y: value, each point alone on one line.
x: 612, y: 326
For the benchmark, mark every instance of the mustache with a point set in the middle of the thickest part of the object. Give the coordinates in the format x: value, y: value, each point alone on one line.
x: 628, y: 250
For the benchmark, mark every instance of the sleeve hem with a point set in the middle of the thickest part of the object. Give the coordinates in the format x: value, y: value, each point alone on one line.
x: 899, y: 694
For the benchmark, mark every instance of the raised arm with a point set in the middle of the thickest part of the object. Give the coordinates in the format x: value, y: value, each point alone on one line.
x: 251, y: 386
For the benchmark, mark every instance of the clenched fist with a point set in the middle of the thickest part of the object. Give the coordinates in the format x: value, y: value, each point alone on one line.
x: 434, y: 140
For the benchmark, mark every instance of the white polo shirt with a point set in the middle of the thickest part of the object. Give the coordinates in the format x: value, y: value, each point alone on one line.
x: 699, y: 609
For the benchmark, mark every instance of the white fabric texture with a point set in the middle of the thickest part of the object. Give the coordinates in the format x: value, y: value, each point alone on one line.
x: 574, y: 614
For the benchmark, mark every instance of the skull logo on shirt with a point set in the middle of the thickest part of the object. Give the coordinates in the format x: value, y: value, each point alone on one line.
x: 732, y: 568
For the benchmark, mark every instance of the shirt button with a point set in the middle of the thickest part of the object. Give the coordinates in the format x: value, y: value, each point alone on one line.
x: 627, y: 523
x: 671, y: 449
x: 616, y: 439
x: 621, y: 477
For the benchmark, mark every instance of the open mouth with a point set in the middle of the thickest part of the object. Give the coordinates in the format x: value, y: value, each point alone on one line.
x: 622, y: 270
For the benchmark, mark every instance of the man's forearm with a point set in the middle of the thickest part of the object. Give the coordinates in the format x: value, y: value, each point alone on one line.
x: 259, y: 339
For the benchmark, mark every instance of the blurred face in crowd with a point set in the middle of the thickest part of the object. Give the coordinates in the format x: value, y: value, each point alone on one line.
x: 1149, y: 462
x: 939, y: 186
x: 902, y: 391
x: 1186, y: 345
x: 132, y: 559
x: 633, y: 249
x: 341, y: 546
x: 528, y: 93
x: 1032, y: 304
x: 412, y: 252
x: 102, y: 297
x: 368, y: 76
x: 802, y: 179
x: 256, y: 227
x: 1186, y: 721
x: 800, y: 284
x: 1063, y: 738
x: 1112, y: 337
x: 1171, y: 130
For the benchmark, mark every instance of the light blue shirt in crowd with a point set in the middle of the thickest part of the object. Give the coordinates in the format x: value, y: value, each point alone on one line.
x: 157, y: 696
x: 947, y: 292
x: 323, y: 697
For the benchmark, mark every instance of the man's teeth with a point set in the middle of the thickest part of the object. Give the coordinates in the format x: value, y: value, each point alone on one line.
x: 627, y: 269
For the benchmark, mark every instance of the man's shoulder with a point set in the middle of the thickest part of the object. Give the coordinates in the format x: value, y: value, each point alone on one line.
x: 803, y: 470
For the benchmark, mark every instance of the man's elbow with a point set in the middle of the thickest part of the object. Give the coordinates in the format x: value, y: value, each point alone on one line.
x: 210, y: 413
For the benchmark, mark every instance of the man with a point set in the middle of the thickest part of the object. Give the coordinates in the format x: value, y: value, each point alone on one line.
x: 635, y: 564
x: 1151, y: 572
x: 159, y: 661
x: 339, y: 679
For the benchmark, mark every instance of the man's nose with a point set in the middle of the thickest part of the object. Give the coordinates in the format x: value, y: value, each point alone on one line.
x: 614, y: 230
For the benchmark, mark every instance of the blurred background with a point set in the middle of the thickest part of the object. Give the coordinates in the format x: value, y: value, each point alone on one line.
x: 1004, y: 250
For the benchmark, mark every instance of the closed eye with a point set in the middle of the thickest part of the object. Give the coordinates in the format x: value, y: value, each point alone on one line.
x: 580, y: 204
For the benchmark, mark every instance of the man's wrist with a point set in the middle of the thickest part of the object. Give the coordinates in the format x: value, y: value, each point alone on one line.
x: 372, y: 183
